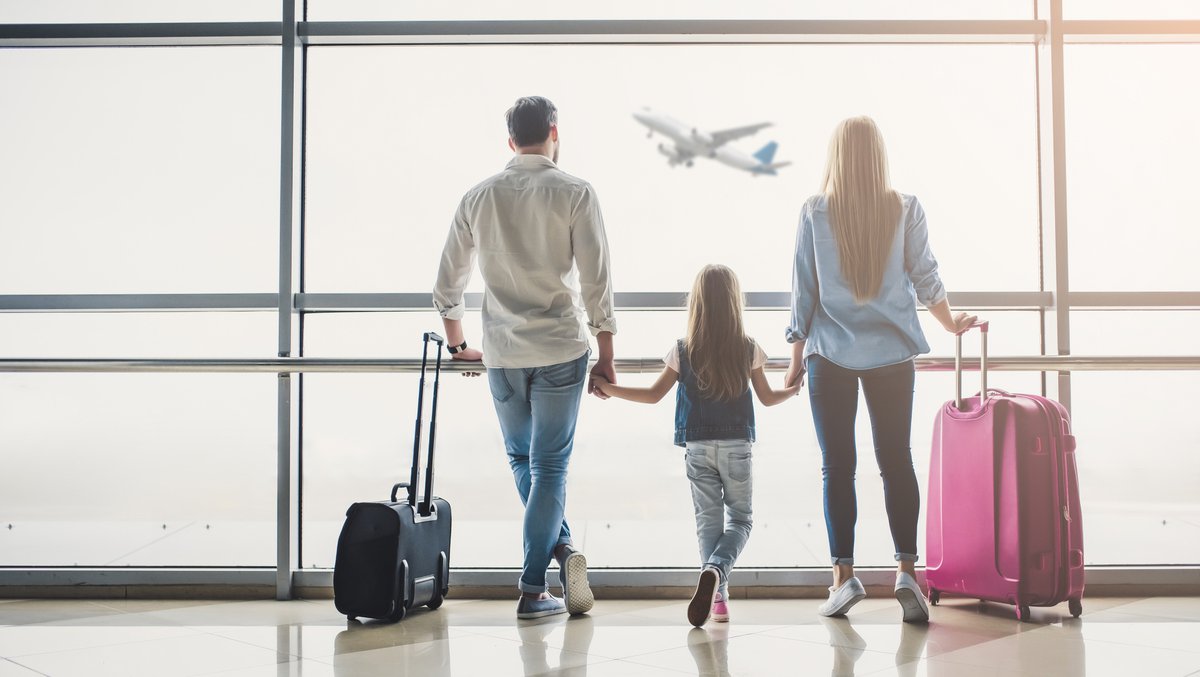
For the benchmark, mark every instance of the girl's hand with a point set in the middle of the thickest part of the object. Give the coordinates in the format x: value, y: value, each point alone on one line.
x: 601, y: 383
x: 795, y: 389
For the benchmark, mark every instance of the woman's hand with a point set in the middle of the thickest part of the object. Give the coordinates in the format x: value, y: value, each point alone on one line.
x: 960, y: 323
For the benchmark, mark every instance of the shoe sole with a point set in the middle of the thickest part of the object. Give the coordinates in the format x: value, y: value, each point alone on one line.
x: 845, y: 607
x: 576, y: 592
x: 540, y: 614
x: 720, y: 619
x: 914, y: 612
x: 702, y: 600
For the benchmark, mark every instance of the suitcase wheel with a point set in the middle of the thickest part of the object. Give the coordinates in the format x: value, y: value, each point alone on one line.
x: 1076, y: 607
x: 436, y: 601
x: 1022, y: 612
x: 398, y: 614
x: 935, y: 596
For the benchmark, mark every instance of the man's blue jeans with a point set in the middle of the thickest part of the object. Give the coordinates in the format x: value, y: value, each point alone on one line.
x: 833, y: 393
x: 537, y: 408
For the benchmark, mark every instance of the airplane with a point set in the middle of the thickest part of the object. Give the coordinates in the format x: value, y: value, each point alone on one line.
x: 688, y: 143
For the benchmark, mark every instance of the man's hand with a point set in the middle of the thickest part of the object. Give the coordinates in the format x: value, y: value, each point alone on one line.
x: 603, y: 370
x: 468, y: 355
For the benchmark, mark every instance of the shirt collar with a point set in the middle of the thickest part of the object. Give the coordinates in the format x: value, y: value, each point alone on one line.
x: 530, y: 160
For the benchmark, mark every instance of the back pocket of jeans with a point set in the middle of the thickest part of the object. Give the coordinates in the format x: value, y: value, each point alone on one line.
x: 740, y: 466
x: 566, y: 373
x: 499, y: 385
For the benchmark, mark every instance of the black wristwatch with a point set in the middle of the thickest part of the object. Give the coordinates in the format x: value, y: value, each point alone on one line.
x: 457, y: 349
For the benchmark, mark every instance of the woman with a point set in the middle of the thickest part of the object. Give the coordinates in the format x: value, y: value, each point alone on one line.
x: 862, y: 260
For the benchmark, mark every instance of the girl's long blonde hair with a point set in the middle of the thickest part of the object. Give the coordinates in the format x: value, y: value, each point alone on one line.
x: 864, y: 211
x: 717, y: 346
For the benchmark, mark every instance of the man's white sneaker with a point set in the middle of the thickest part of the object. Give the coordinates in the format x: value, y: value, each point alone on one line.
x: 849, y: 593
x: 911, y: 599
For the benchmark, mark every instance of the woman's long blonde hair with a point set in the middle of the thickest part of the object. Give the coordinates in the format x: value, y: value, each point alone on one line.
x: 864, y: 211
x: 717, y: 346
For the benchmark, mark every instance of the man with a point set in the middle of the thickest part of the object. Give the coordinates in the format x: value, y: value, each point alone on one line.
x: 539, y: 238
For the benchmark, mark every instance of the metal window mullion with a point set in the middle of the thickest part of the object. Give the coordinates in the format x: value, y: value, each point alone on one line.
x: 1053, y: 187
x: 283, y: 490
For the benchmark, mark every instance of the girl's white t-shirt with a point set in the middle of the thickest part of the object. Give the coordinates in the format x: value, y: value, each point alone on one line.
x: 759, y: 359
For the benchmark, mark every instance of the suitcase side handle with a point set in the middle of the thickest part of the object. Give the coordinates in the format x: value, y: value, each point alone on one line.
x: 396, y: 489
x: 983, y: 389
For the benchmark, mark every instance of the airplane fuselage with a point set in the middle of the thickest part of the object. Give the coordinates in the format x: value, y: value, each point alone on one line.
x: 690, y: 142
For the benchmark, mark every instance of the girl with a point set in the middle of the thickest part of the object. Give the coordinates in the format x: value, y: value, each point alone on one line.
x: 862, y: 262
x: 714, y: 420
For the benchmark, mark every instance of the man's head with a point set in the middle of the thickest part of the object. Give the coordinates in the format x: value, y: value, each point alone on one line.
x: 533, y: 126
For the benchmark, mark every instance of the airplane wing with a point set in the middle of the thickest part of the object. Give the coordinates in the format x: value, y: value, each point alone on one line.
x: 724, y: 136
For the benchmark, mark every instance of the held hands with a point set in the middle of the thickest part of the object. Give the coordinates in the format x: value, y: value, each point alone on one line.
x: 794, y: 378
x: 604, y: 373
x: 601, y: 384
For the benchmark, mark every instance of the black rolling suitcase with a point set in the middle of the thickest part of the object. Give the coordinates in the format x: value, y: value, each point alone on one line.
x: 395, y: 555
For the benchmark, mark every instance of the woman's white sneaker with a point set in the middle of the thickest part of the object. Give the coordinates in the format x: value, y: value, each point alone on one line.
x: 911, y: 599
x: 849, y: 593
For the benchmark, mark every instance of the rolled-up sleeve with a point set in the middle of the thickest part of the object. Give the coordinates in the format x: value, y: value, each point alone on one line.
x: 454, y: 272
x: 589, y: 245
x: 919, y: 263
x: 805, y: 290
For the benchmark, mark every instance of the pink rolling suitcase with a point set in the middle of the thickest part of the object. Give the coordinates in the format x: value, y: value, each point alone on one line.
x: 1004, y: 521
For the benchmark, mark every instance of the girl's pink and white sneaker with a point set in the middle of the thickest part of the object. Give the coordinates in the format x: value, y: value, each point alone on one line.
x: 720, y: 610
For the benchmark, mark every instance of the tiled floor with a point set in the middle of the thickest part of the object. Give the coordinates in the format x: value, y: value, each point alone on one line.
x: 1156, y: 636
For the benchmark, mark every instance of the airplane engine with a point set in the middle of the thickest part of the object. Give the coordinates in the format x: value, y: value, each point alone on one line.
x: 701, y: 138
x: 672, y: 156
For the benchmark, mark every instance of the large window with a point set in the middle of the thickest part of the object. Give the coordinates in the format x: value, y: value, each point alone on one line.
x: 1132, y: 144
x: 155, y: 173
x: 139, y: 170
x: 393, y: 145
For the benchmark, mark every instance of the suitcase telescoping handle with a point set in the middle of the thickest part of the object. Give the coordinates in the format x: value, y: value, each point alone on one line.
x: 415, y: 472
x: 983, y: 333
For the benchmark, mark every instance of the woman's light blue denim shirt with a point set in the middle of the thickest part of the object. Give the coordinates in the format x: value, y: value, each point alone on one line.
x: 881, y: 331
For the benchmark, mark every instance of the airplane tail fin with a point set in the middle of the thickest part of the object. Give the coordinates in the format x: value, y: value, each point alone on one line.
x: 766, y: 153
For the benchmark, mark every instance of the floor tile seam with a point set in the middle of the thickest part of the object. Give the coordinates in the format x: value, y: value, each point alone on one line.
x: 22, y: 665
x: 246, y: 643
x: 193, y: 633
x: 839, y: 646
x: 1162, y: 618
x: 225, y: 671
x: 684, y: 646
x: 1195, y: 651
x: 648, y: 665
x: 77, y: 618
x: 394, y: 646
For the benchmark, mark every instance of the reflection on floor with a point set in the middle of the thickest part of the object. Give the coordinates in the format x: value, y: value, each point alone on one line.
x: 1155, y: 636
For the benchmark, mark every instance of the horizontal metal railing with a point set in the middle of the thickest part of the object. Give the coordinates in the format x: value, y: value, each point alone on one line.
x: 293, y: 365
x: 623, y: 300
x: 594, y: 31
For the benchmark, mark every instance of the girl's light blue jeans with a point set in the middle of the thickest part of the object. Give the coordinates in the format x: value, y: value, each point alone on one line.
x: 537, y: 408
x: 720, y: 474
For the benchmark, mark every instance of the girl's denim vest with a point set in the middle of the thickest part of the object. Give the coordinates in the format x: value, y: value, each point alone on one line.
x: 701, y: 418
